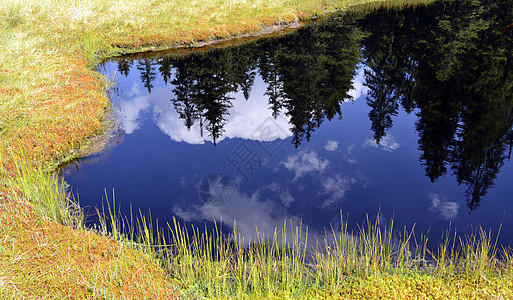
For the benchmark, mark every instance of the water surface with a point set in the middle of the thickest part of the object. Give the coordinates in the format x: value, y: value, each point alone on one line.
x: 406, y: 113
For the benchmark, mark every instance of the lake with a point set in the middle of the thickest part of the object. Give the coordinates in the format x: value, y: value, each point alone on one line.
x: 403, y: 114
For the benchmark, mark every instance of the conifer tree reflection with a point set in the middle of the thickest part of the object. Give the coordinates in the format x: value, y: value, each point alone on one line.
x: 241, y: 65
x: 383, y: 103
x: 459, y: 80
x: 269, y: 72
x: 211, y: 95
x: 483, y: 141
x: 450, y: 63
x: 183, y: 89
x: 436, y: 125
x: 147, y: 73
x: 203, y: 81
x: 201, y: 90
x: 166, y: 69
x: 309, y: 73
x: 124, y: 66
x: 389, y: 73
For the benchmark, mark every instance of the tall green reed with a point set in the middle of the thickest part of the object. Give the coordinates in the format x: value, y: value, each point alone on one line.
x: 213, y: 264
x: 47, y: 192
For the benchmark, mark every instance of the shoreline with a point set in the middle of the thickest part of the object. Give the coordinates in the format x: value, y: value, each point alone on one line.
x: 97, y: 143
x: 266, y: 31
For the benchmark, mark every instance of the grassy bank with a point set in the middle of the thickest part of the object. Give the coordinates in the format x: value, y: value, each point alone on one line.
x: 368, y: 264
x: 53, y: 104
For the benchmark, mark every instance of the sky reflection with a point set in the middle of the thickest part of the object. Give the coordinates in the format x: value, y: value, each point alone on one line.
x: 268, y: 133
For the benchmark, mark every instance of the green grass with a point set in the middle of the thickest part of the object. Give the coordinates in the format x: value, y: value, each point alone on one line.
x: 369, y: 263
x: 52, y: 104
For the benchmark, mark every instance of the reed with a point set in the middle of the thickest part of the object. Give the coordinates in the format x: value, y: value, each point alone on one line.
x: 215, y: 264
x: 203, y: 263
x: 47, y: 193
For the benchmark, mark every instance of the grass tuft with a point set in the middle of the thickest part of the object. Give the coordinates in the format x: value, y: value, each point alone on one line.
x: 372, y: 262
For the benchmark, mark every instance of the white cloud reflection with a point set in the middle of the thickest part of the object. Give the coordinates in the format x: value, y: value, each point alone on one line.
x: 336, y: 188
x: 248, y: 213
x: 130, y: 110
x: 444, y: 209
x: 305, y: 162
x: 255, y: 217
x: 387, y: 143
x: 245, y: 120
x: 358, y: 88
x: 283, y: 194
x: 349, y: 156
x: 331, y: 145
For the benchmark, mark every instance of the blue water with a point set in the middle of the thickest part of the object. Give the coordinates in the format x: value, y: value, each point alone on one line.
x: 158, y: 165
x: 256, y: 177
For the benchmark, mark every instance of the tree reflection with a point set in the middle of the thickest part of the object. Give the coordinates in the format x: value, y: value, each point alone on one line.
x: 449, y: 63
x: 184, y: 101
x: 124, y: 66
x: 452, y: 62
x: 309, y: 73
x: 148, y: 73
x: 202, y: 84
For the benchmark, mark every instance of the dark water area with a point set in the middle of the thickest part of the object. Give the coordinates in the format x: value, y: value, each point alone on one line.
x: 402, y: 113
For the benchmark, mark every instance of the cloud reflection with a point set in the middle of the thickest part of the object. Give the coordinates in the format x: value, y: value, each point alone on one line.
x: 248, y: 212
x: 388, y: 143
x: 349, y: 157
x: 283, y: 193
x: 331, y: 145
x: 446, y: 210
x: 305, y: 162
x: 243, y: 121
x: 336, y: 187
x: 131, y: 110
x: 358, y: 84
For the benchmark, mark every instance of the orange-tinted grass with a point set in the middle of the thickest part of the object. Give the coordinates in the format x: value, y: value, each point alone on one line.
x: 58, y: 118
x: 45, y: 258
x: 55, y: 118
